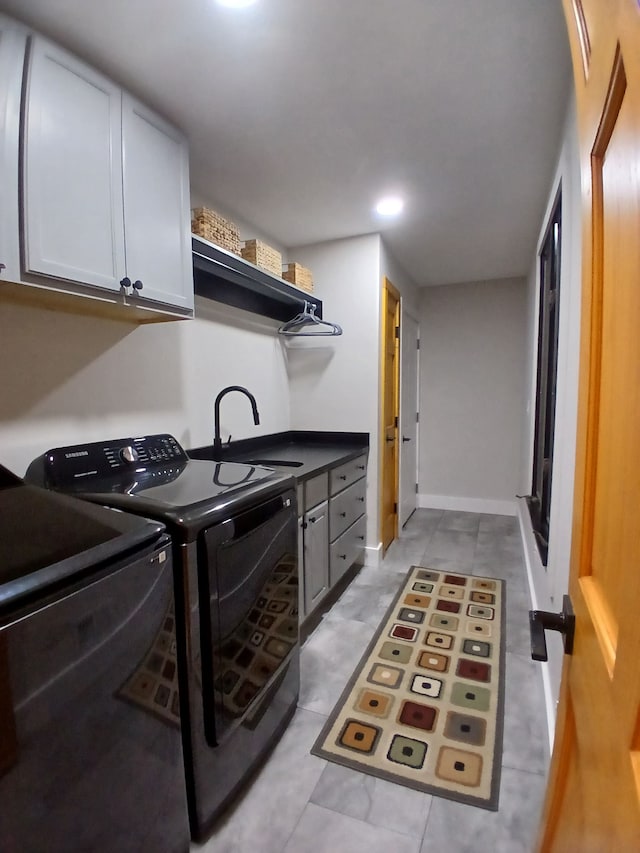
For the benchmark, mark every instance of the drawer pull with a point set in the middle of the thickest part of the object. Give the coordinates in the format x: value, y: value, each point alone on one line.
x: 361, y: 537
x: 362, y: 467
x: 361, y: 500
x: 343, y: 476
x: 343, y: 515
x: 342, y: 556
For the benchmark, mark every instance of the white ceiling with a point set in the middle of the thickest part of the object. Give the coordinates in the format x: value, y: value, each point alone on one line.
x: 300, y: 113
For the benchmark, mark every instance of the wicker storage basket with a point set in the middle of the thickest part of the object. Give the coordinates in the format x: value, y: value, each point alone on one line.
x: 262, y: 255
x: 215, y: 228
x: 298, y: 275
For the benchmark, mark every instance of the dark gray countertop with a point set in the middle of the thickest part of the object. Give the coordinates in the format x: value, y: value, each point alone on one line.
x: 317, y: 451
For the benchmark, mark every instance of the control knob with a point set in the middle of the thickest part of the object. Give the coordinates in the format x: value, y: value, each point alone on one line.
x: 129, y: 454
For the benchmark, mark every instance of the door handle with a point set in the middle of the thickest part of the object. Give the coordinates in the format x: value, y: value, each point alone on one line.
x: 404, y: 438
x: 390, y: 439
x: 541, y: 621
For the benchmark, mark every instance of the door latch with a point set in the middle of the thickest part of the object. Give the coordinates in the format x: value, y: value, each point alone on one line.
x: 541, y: 621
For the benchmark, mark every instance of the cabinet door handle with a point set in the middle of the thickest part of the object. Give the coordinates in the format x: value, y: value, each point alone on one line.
x: 343, y: 515
x: 362, y: 467
x: 2, y: 266
x: 361, y: 537
x: 313, y: 520
x: 342, y: 556
x: 343, y: 476
x: 125, y: 282
x: 361, y: 500
x: 137, y: 284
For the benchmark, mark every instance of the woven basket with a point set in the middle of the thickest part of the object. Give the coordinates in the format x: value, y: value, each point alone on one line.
x: 215, y: 228
x: 298, y: 275
x: 263, y: 256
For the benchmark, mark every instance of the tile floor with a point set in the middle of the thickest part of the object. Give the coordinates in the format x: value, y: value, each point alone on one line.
x: 298, y: 803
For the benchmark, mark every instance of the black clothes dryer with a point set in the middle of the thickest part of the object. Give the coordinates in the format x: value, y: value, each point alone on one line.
x: 234, y: 533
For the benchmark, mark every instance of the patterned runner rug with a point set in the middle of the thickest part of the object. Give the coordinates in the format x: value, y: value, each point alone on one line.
x: 424, y: 707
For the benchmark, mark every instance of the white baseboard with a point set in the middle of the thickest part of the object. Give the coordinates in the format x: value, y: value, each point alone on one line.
x: 373, y: 555
x: 484, y: 505
x: 530, y: 550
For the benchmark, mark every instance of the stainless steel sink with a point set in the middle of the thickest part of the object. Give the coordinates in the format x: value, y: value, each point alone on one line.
x: 285, y: 463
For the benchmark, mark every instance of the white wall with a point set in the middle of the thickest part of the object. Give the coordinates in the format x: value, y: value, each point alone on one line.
x: 334, y: 380
x: 472, y: 375
x: 67, y: 378
x: 548, y: 585
x: 247, y: 230
x: 409, y: 291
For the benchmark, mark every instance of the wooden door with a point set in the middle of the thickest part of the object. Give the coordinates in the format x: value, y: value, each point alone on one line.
x: 72, y: 170
x: 408, y: 445
x: 593, y: 797
x: 389, y: 431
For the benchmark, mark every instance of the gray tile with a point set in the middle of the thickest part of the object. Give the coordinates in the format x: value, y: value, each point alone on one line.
x: 302, y: 804
x: 321, y: 830
x: 525, y: 745
x: 362, y: 604
x: 444, y: 564
x: 456, y: 828
x: 328, y: 659
x: 506, y: 525
x: 458, y: 545
x: 266, y: 814
x: 517, y: 620
x: 464, y: 521
x: 373, y: 800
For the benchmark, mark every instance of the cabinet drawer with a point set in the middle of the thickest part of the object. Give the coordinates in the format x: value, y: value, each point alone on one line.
x: 316, y: 490
x: 346, y: 507
x: 347, y: 549
x: 344, y: 475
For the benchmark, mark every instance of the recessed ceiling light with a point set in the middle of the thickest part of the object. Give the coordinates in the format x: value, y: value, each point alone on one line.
x: 390, y: 206
x: 236, y: 4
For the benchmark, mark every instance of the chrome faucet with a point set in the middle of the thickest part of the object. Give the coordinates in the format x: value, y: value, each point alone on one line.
x: 217, y: 441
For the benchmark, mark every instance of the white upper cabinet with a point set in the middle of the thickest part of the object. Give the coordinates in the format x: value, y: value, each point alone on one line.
x: 105, y: 187
x: 156, y: 207
x: 73, y: 214
x: 12, y: 48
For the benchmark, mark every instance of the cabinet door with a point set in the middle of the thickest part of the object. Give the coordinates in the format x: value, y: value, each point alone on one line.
x: 316, y: 555
x: 302, y: 609
x: 156, y: 206
x: 12, y: 48
x: 72, y: 161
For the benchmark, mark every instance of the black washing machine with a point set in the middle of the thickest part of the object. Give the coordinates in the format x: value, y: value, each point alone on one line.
x: 234, y: 533
x: 90, y: 741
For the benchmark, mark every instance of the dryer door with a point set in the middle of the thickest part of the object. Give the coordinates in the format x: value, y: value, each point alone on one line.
x: 249, y: 630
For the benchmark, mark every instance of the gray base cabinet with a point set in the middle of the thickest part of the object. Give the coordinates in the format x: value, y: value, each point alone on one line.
x: 332, y: 529
x: 316, y: 555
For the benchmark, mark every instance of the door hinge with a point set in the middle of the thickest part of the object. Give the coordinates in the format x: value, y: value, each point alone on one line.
x: 418, y: 344
x: 417, y: 417
x: 395, y: 509
x: 416, y: 488
x: 398, y: 332
x: 396, y: 422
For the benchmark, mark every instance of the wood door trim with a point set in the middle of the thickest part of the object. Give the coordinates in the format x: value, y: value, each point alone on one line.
x: 387, y: 287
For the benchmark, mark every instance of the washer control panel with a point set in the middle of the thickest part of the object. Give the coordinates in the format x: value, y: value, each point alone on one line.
x: 65, y: 466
